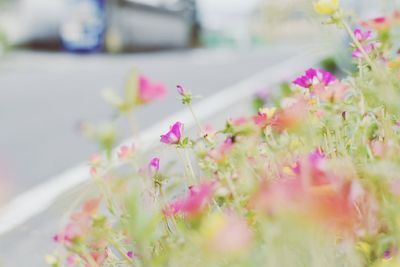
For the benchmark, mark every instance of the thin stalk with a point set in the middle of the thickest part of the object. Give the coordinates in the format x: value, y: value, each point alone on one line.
x: 195, y: 118
x: 107, y: 195
x: 90, y: 260
x: 164, y: 204
x: 187, y: 171
x: 121, y: 251
x: 189, y: 164
x: 232, y: 188
x: 358, y: 44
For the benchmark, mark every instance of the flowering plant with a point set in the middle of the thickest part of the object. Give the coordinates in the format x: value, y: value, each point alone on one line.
x: 312, y: 180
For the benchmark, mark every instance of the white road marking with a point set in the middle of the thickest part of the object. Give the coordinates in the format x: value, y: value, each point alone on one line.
x: 36, y: 200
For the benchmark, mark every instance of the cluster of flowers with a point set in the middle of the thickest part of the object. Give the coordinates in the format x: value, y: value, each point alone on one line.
x: 312, y: 180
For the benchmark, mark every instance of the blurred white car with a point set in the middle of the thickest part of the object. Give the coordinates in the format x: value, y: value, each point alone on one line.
x: 154, y: 23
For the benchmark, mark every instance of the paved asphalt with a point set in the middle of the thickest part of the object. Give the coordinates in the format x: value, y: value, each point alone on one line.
x: 44, y: 96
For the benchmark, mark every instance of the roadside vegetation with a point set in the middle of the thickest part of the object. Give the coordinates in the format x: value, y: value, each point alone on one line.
x: 310, y: 179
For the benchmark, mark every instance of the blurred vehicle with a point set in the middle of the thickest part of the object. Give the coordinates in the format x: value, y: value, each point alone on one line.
x: 130, y: 24
x: 84, y: 27
x: 153, y: 23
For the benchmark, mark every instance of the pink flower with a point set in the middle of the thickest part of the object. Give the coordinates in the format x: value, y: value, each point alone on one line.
x: 260, y: 119
x: 71, y: 232
x: 209, y: 132
x: 192, y: 204
x: 126, y: 152
x: 221, y: 153
x: 95, y: 162
x: 292, y: 116
x: 239, y: 121
x: 81, y: 221
x: 99, y: 256
x: 72, y: 260
x: 334, y: 92
x: 368, y: 48
x: 314, y: 77
x: 387, y: 254
x: 378, y: 24
x: 315, y: 191
x: 180, y: 90
x: 315, y: 166
x: 130, y: 254
x: 228, y: 233
x: 362, y: 36
x: 154, y: 165
x: 378, y: 148
x: 173, y: 137
x: 149, y: 91
x: 379, y: 20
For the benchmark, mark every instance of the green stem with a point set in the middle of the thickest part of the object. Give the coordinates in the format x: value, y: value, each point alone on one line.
x: 189, y: 164
x: 358, y: 44
x: 121, y: 251
x: 187, y: 171
x: 232, y: 188
x: 90, y: 260
x: 195, y: 119
x: 107, y: 195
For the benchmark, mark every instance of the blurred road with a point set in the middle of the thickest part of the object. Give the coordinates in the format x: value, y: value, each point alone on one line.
x: 44, y: 96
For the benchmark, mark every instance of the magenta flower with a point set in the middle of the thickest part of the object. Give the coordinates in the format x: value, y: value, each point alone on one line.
x: 193, y: 203
x: 368, y: 48
x: 180, y: 90
x: 149, y: 91
x: 154, y: 165
x: 362, y: 36
x: 130, y: 254
x: 314, y: 77
x: 71, y: 232
x: 316, y: 158
x: 173, y: 137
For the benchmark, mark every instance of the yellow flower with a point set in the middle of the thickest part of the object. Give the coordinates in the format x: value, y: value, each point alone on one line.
x: 326, y: 7
x: 295, y: 144
x: 213, y: 225
x: 287, y: 170
x: 268, y: 111
x: 365, y: 248
x: 50, y: 259
x: 394, y: 64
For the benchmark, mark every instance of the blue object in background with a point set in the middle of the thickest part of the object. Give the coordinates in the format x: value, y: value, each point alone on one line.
x: 83, y: 28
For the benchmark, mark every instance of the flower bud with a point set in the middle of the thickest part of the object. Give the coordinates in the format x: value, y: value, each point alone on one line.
x: 154, y: 165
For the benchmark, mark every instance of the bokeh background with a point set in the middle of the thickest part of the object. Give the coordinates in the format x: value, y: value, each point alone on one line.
x: 57, y: 56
